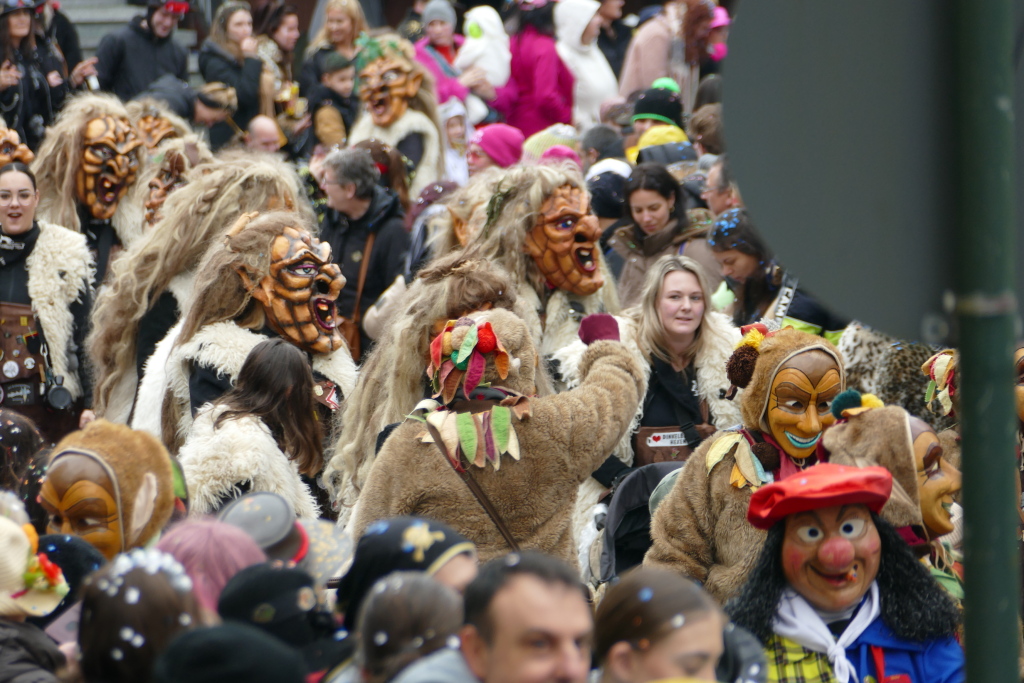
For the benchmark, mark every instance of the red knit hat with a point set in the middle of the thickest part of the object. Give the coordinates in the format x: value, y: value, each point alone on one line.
x: 820, y: 486
x: 503, y: 143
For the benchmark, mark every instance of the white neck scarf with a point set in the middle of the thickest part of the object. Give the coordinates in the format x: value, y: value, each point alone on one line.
x: 797, y: 620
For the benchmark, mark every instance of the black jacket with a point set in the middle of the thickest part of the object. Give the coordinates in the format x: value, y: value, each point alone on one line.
x: 64, y: 35
x: 132, y: 58
x: 179, y: 97
x: 614, y: 47
x: 347, y: 238
x: 32, y: 104
x: 312, y: 70
x: 217, y: 64
x: 27, y: 654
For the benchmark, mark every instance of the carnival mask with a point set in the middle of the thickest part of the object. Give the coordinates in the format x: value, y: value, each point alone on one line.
x: 563, y: 243
x: 12, y: 149
x: 386, y: 85
x: 154, y: 129
x: 299, y: 294
x: 1018, y: 388
x: 937, y: 480
x: 831, y: 555
x: 800, y: 401
x: 169, y: 178
x: 81, y: 499
x: 109, y: 164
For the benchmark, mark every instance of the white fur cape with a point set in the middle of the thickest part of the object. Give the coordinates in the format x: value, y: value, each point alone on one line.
x: 720, y: 339
x: 431, y: 166
x: 60, y: 270
x: 223, y: 346
x: 216, y: 461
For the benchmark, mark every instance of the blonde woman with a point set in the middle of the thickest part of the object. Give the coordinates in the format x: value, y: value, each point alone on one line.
x: 229, y: 56
x: 343, y: 24
x: 684, y: 347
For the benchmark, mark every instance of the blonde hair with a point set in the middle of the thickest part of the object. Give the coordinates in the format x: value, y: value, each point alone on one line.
x: 219, y: 27
x: 193, y: 217
x: 354, y: 11
x: 650, y: 330
x: 60, y: 156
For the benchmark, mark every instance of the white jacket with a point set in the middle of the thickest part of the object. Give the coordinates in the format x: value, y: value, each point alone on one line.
x: 595, y: 80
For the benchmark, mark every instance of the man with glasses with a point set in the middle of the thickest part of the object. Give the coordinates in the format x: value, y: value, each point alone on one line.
x: 143, y: 51
x: 721, y: 192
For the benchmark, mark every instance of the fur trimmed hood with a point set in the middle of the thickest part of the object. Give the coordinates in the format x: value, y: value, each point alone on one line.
x: 431, y: 166
x: 60, y: 270
x: 216, y: 461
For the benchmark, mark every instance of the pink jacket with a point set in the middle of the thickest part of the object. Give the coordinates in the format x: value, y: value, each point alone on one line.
x: 539, y: 91
x: 446, y: 86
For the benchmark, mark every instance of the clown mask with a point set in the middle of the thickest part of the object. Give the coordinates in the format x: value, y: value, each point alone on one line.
x: 563, y: 243
x: 937, y: 480
x: 299, y: 294
x: 12, y: 149
x: 81, y: 499
x: 109, y: 164
x: 831, y: 555
x: 169, y: 178
x: 154, y: 129
x: 800, y: 401
x: 386, y: 86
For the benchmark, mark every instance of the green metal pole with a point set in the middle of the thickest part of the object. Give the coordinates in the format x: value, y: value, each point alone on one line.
x: 986, y: 313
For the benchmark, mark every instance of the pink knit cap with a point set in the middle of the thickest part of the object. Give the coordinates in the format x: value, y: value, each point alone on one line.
x: 560, y: 153
x: 501, y: 142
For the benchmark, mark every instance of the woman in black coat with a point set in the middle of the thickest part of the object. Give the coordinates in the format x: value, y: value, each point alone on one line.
x: 229, y: 56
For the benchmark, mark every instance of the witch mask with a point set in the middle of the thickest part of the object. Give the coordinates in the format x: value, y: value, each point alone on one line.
x: 170, y: 177
x: 299, y: 294
x: 937, y: 479
x: 12, y: 149
x: 109, y: 165
x: 154, y: 129
x: 800, y: 401
x: 386, y: 85
x: 563, y: 243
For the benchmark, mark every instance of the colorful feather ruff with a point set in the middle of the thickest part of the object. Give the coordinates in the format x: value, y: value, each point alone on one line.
x: 449, y: 366
x: 477, y: 439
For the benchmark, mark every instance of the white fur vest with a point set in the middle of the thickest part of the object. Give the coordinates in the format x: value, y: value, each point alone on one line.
x: 720, y: 339
x: 216, y: 461
x: 224, y: 347
x: 60, y: 270
x: 431, y: 166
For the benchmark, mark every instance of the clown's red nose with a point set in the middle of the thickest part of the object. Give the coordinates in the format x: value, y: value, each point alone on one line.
x: 835, y: 555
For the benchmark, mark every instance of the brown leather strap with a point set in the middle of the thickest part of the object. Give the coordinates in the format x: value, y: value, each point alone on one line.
x: 475, y: 489
x: 362, y: 275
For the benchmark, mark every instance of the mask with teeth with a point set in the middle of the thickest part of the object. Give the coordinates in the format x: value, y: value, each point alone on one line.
x: 12, y: 149
x: 299, y: 295
x: 386, y: 85
x: 563, y: 243
x: 154, y: 129
x: 169, y: 178
x: 109, y: 165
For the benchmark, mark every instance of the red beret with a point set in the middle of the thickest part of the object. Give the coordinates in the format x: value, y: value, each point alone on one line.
x: 820, y: 486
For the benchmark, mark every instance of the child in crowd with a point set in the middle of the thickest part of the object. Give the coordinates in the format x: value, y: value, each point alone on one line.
x: 456, y: 132
x: 333, y: 103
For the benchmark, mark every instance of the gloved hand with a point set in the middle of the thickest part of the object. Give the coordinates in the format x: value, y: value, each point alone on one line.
x: 598, y: 326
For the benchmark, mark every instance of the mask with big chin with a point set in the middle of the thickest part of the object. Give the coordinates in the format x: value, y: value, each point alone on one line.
x: 153, y: 130
x: 12, y: 149
x: 299, y: 294
x: 937, y: 479
x: 109, y: 165
x: 563, y: 243
x: 385, y: 87
x: 82, y: 499
x: 800, y: 401
x: 169, y: 178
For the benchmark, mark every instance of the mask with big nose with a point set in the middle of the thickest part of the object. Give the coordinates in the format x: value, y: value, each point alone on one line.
x: 109, y: 165
x: 563, y: 243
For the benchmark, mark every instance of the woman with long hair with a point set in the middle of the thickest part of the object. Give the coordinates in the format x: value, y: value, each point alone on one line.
x: 655, y: 224
x: 344, y: 22
x: 260, y: 436
x: 277, y: 26
x: 229, y: 56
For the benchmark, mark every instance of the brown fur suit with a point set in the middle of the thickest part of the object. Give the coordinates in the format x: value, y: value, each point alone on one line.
x: 564, y: 439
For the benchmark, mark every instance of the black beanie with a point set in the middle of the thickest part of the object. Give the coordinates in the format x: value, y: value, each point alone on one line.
x: 229, y: 653
x: 277, y: 600
x: 607, y: 194
x: 660, y: 104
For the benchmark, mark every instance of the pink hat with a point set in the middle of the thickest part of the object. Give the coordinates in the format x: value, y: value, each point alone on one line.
x: 501, y: 142
x: 560, y: 153
x: 720, y: 18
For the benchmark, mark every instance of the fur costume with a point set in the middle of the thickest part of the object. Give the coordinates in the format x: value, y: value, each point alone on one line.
x: 391, y: 380
x: 431, y: 166
x: 169, y: 165
x: 60, y: 156
x: 700, y: 529
x: 562, y: 439
x: 60, y: 270
x: 166, y: 260
x: 216, y: 460
x: 141, y: 471
x: 721, y: 337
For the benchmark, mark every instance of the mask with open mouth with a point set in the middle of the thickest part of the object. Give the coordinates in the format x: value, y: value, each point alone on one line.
x: 12, y: 149
x: 154, y: 129
x: 563, y: 243
x: 299, y: 294
x: 169, y: 178
x: 386, y: 85
x: 109, y: 165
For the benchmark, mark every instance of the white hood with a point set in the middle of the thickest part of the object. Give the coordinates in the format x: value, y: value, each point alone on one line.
x: 571, y: 19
